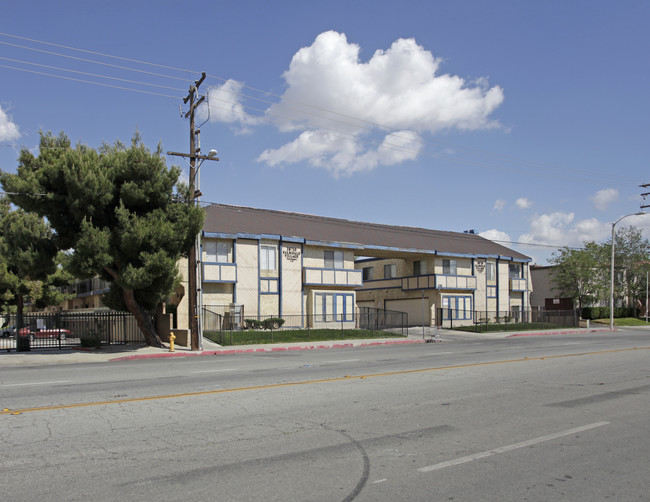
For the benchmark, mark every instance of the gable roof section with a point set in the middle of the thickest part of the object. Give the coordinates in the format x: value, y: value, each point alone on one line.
x: 374, y: 239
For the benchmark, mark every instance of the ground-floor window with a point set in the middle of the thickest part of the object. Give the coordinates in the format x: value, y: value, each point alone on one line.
x: 334, y: 306
x: 456, y: 307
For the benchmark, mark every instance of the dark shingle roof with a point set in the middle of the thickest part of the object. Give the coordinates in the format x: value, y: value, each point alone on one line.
x: 371, y: 237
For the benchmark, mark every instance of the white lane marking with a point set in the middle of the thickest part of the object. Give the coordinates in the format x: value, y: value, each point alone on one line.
x: 379, y: 481
x: 35, y: 383
x: 515, y: 446
x: 215, y: 371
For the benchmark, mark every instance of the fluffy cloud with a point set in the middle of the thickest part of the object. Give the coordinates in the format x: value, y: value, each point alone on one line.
x: 559, y: 229
x: 496, y: 236
x: 224, y: 104
x: 341, y: 154
x: 336, y: 103
x: 8, y: 130
x: 523, y: 203
x: 603, y: 198
x: 499, y: 204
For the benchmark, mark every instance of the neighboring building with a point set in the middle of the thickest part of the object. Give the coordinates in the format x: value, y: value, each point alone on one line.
x: 312, y: 270
x: 545, y: 295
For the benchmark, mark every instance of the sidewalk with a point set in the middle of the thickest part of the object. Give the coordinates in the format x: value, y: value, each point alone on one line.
x: 415, y: 335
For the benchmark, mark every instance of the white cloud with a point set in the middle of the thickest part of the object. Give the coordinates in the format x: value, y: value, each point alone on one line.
x: 603, y: 198
x: 499, y: 204
x: 559, y: 229
x: 224, y: 104
x: 8, y: 130
x: 523, y: 203
x: 341, y: 154
x: 399, y: 88
x: 496, y: 236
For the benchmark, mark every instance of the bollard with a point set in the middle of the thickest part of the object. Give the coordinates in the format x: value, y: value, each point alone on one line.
x: 172, y: 337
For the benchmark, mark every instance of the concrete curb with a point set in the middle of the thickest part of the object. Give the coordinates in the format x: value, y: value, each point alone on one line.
x: 277, y: 348
x: 561, y: 332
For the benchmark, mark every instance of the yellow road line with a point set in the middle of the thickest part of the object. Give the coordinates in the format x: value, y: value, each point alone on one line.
x: 7, y: 411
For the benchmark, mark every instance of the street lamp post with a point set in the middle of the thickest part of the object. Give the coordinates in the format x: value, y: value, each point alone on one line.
x: 611, y: 284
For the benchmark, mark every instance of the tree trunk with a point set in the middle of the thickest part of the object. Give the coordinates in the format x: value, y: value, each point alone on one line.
x: 142, y: 318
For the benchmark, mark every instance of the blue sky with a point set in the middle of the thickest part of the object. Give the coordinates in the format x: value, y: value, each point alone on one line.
x: 525, y: 121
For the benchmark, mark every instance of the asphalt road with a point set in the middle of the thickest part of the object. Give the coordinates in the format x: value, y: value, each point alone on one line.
x: 532, y: 418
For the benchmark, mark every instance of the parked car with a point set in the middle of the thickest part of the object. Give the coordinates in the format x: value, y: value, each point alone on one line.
x: 9, y: 331
x: 58, y: 333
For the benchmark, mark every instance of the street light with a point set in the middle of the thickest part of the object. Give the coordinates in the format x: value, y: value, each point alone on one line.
x: 611, y: 284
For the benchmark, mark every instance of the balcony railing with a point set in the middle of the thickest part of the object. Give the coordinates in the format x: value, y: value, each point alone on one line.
x: 439, y: 281
x: 220, y: 272
x: 518, y: 284
x: 431, y: 281
x: 313, y: 276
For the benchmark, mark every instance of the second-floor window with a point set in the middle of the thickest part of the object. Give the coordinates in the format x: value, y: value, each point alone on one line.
x: 267, y: 257
x: 490, y: 271
x: 420, y: 267
x: 390, y: 271
x: 333, y: 259
x: 368, y: 273
x: 216, y: 251
x: 514, y: 270
x: 449, y: 267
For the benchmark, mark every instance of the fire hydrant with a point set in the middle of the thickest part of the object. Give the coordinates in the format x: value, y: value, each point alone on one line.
x: 172, y: 337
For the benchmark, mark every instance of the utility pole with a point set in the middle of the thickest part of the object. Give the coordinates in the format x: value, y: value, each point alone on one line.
x: 644, y: 195
x: 194, y: 155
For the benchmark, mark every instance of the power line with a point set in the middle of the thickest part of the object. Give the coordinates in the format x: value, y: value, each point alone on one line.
x: 89, y: 82
x: 91, y: 74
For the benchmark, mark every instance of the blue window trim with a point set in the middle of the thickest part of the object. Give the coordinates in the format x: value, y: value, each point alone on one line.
x: 456, y: 313
x: 347, y: 316
x: 269, y: 280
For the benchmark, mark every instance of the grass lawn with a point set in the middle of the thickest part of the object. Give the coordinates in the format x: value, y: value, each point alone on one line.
x: 522, y: 326
x: 622, y: 321
x: 251, y: 337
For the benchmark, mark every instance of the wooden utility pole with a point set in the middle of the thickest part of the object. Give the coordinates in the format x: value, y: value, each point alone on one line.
x: 644, y: 195
x: 193, y: 312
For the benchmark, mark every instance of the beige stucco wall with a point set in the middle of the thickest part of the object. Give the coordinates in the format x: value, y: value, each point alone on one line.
x: 247, y: 275
x: 291, y: 256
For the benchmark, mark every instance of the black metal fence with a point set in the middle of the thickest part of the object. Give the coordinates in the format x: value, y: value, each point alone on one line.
x: 69, y: 329
x: 223, y: 330
x: 490, y: 320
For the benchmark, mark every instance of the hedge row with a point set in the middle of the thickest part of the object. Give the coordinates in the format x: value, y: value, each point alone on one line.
x: 603, y: 312
x: 272, y: 323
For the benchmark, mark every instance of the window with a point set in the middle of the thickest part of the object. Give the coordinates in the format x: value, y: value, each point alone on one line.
x: 390, y: 271
x: 449, y: 267
x: 491, y: 291
x: 456, y: 307
x: 333, y: 259
x: 514, y: 270
x: 490, y: 271
x: 216, y: 251
x: 368, y: 273
x: 334, y: 307
x: 267, y: 257
x: 420, y: 267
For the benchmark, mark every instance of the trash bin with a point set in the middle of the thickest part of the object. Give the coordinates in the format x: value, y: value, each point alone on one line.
x: 22, y: 344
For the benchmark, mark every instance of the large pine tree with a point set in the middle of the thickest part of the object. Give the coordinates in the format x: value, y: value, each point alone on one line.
x: 119, y: 210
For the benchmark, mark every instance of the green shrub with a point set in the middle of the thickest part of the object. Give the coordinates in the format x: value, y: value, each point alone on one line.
x: 252, y: 324
x: 272, y: 323
x: 91, y: 339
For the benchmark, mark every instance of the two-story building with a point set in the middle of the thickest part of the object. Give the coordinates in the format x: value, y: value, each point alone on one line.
x: 311, y: 270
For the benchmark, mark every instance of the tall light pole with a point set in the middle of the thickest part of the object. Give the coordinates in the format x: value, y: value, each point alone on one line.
x: 611, y: 284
